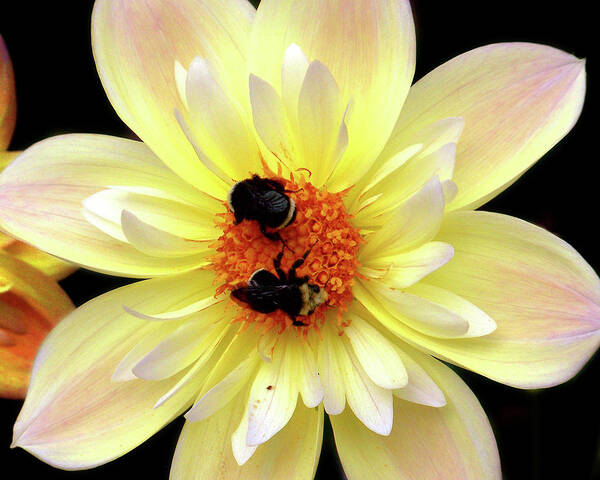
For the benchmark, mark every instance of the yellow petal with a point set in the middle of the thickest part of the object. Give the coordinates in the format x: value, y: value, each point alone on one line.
x: 454, y: 442
x: 47, y: 264
x: 320, y: 114
x: 371, y: 403
x: 330, y: 371
x: 369, y: 48
x: 412, y: 224
x: 158, y: 243
x: 270, y: 121
x: 6, y: 158
x: 543, y: 296
x: 405, y: 269
x: 376, y: 354
x: 405, y: 181
x: 8, y: 99
x: 30, y: 305
x: 194, y: 341
x: 517, y: 101
x: 412, y: 310
x: 479, y: 322
x: 204, y: 448
x: 218, y: 124
x: 41, y: 196
x: 223, y: 392
x: 195, y: 222
x: 137, y: 66
x: 75, y: 416
x: 270, y: 409
x: 293, y: 71
x: 307, y: 371
x: 420, y: 388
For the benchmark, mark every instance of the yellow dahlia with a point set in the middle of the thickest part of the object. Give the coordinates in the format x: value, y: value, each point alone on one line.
x: 31, y: 302
x: 314, y: 95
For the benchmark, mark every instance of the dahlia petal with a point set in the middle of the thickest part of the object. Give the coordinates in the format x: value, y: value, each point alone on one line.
x: 369, y: 48
x: 270, y: 120
x: 330, y: 371
x: 320, y: 113
x: 293, y: 71
x: 217, y: 123
x: 412, y: 310
x: 30, y: 305
x: 222, y: 181
x: 189, y: 376
x: 421, y: 388
x: 136, y: 66
x: 412, y: 224
x: 175, y: 217
x: 453, y: 442
x: 180, y: 313
x: 405, y: 269
x: 223, y: 392
x: 194, y: 341
x: 204, y: 448
x: 407, y: 180
x: 309, y: 383
x: 41, y: 196
x: 75, y: 416
x: 8, y: 99
x: 147, y: 343
x: 6, y: 158
x: 242, y: 452
x: 47, y: 264
x: 542, y: 295
x: 390, y: 165
x: 517, y: 99
x: 376, y: 355
x: 371, y: 404
x: 158, y: 243
x: 273, y: 396
x: 431, y: 135
x: 180, y: 79
x: 479, y: 322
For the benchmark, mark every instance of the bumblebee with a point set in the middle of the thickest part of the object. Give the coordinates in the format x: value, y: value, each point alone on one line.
x: 263, y: 200
x: 267, y: 292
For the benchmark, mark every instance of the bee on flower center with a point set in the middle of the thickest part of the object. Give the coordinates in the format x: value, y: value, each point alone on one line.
x: 267, y: 292
x: 263, y: 200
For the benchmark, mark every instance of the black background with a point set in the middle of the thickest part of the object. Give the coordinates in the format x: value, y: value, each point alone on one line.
x: 545, y: 434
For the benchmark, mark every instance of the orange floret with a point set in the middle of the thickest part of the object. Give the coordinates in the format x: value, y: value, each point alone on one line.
x: 322, y: 221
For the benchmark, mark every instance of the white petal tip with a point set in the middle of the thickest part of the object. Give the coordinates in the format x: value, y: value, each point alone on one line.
x: 333, y: 409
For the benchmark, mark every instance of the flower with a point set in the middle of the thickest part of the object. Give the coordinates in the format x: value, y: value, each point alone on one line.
x: 31, y: 302
x: 175, y: 342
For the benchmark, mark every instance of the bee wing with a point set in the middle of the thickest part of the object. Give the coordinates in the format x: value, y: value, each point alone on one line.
x: 262, y: 277
x: 274, y: 202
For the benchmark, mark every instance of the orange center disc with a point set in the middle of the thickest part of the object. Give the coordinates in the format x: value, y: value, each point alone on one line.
x: 322, y: 221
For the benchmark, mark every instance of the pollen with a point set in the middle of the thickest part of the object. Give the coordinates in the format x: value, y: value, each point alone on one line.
x: 321, y: 225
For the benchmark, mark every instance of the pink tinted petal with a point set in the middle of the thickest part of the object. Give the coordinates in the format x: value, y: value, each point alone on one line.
x: 75, y: 416
x: 369, y: 47
x: 42, y: 194
x: 136, y: 46
x: 517, y: 100
x: 204, y: 448
x: 8, y: 100
x: 453, y: 442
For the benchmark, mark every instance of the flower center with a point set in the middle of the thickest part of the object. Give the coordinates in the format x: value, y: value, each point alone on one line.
x: 321, y: 227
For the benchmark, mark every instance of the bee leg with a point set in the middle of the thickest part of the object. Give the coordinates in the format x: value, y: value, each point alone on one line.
x: 298, y: 323
x: 275, y: 237
x: 298, y: 263
x: 277, y: 265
